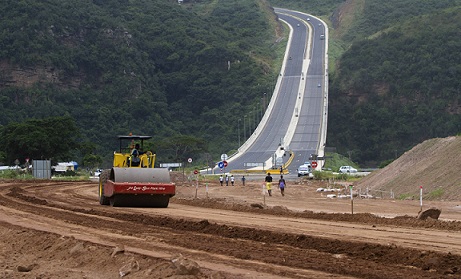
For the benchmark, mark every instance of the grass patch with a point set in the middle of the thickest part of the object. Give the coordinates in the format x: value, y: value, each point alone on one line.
x: 335, y: 160
x: 323, y: 175
x: 71, y: 178
x: 14, y: 174
x: 406, y: 196
x: 436, y: 194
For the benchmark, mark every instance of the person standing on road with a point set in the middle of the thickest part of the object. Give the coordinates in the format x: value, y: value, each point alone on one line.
x: 221, y: 180
x: 269, y: 184
x: 227, y: 180
x: 282, y: 185
x: 232, y: 180
x: 243, y: 180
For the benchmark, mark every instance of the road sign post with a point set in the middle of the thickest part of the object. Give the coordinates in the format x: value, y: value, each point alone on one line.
x: 352, y: 200
x: 421, y: 198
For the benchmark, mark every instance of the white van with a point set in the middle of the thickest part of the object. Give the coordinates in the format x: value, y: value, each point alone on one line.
x: 305, y: 170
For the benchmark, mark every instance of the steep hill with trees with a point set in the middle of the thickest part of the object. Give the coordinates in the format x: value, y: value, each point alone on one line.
x: 398, y: 87
x: 147, y: 67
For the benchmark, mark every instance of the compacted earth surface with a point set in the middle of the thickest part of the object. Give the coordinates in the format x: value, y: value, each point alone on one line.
x: 57, y: 229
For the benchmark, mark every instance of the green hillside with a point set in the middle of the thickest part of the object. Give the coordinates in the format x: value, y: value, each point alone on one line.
x: 398, y: 87
x: 146, y: 67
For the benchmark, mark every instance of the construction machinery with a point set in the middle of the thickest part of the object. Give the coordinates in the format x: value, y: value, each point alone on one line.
x: 133, y: 181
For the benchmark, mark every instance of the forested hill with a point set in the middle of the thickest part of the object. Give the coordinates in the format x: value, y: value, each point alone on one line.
x: 146, y: 67
x: 399, y: 86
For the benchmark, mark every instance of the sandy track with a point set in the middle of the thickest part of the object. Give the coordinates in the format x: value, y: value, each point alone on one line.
x: 238, y: 243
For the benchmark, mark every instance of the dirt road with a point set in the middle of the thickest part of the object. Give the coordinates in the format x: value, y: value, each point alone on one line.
x: 50, y: 229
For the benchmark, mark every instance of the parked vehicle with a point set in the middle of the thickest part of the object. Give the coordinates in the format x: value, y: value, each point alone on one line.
x: 347, y: 169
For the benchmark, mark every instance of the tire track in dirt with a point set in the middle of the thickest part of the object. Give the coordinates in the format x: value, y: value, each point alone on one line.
x: 265, y: 245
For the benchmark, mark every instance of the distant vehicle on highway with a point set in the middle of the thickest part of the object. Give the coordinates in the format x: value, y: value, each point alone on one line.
x: 308, y: 19
x: 347, y: 169
x: 305, y: 170
x: 322, y: 37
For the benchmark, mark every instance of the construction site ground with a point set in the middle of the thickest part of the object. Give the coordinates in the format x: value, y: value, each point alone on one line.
x: 57, y: 229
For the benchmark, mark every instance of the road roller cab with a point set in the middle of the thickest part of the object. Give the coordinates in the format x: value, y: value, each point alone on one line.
x: 133, y: 180
x: 125, y: 157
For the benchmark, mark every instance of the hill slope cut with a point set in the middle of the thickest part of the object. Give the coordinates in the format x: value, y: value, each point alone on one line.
x: 434, y: 164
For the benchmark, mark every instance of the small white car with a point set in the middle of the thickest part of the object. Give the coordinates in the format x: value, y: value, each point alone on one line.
x: 308, y: 19
x: 98, y: 172
x: 347, y: 169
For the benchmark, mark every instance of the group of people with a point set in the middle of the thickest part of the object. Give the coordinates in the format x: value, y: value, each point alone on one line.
x: 231, y: 178
x: 268, y: 180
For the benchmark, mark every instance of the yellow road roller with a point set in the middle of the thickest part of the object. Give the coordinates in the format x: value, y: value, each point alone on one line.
x: 133, y: 181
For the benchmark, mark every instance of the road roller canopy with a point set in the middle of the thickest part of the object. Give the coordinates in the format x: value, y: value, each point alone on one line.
x: 124, y: 139
x: 134, y: 137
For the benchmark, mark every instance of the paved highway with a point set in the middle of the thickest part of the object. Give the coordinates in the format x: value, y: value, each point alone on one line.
x: 297, y: 111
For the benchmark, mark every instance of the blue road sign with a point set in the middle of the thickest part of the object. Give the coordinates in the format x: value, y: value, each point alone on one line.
x: 221, y: 165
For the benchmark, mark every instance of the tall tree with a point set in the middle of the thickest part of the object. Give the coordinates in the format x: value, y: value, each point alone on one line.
x: 50, y: 138
x: 181, y: 147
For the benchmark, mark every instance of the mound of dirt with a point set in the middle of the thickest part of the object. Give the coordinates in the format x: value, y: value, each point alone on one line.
x: 434, y: 164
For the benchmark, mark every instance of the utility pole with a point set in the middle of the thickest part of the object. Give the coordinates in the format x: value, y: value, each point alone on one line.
x: 238, y: 129
x: 244, y: 129
x: 256, y: 116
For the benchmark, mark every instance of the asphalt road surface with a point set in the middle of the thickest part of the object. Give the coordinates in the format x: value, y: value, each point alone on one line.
x: 299, y: 101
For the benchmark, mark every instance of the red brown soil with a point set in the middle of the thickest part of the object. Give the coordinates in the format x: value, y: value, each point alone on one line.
x: 53, y: 229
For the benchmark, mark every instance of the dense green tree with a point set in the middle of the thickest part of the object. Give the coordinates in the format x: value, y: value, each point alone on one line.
x: 52, y: 138
x: 92, y: 161
x: 179, y: 148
